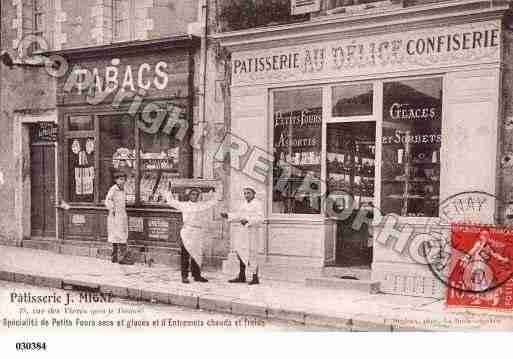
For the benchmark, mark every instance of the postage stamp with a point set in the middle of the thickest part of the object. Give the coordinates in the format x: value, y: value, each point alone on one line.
x: 481, y: 266
x: 471, y: 254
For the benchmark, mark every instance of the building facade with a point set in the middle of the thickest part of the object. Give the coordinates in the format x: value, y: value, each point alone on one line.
x: 123, y: 86
x: 367, y: 109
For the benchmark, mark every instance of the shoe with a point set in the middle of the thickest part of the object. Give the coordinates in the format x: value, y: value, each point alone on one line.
x: 254, y: 280
x: 185, y: 281
x: 126, y: 261
x: 237, y: 280
x: 201, y: 279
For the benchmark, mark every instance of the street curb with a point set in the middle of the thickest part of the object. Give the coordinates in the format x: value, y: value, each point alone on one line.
x: 240, y: 308
x: 116, y: 291
x: 7, y: 276
x: 326, y: 320
x: 207, y: 302
x: 286, y: 315
x: 214, y: 304
x: 181, y: 300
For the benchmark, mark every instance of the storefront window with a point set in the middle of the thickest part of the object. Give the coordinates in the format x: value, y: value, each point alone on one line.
x: 412, y: 122
x: 160, y: 155
x: 352, y: 100
x: 117, y: 145
x: 297, y: 141
x: 81, y: 168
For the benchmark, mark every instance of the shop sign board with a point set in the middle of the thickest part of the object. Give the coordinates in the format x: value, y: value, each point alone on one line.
x: 158, y: 229
x: 458, y: 45
x: 299, y: 7
x: 156, y: 75
x: 45, y: 132
x: 78, y: 219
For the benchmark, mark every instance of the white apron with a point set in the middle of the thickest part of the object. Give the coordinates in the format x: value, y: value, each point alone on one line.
x: 194, y: 230
x: 117, y: 224
x: 246, y: 239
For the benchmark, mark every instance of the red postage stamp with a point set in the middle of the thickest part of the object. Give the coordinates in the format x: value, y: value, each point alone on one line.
x: 481, y: 268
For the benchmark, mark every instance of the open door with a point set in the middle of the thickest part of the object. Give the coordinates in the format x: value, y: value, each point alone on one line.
x: 351, y: 150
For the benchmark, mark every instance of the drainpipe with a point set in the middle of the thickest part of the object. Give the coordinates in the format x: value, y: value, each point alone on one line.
x: 203, y: 106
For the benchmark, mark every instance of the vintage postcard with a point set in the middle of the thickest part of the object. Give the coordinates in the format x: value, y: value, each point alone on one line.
x: 255, y: 165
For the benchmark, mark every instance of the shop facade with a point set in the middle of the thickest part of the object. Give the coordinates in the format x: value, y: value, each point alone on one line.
x: 125, y: 108
x: 390, y: 112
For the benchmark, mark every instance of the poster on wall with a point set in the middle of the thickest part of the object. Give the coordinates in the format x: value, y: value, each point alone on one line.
x: 135, y: 224
x: 81, y: 167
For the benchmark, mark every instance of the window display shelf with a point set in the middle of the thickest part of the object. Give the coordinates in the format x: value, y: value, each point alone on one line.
x: 410, y: 181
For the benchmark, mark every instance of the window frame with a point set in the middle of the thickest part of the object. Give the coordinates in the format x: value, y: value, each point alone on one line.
x: 269, y: 195
x: 70, y: 134
x: 96, y: 134
x: 38, y: 13
x: 117, y: 20
x: 442, y: 154
x: 377, y: 117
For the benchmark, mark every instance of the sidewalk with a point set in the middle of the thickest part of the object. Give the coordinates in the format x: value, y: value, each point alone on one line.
x: 341, y: 309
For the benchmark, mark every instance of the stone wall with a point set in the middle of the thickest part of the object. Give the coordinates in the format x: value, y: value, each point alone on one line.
x: 506, y: 144
x: 75, y: 24
x: 16, y: 95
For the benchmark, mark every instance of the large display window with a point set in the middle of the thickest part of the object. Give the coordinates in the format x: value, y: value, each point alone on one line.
x: 297, y: 143
x: 403, y: 179
x: 411, y: 141
x: 100, y: 145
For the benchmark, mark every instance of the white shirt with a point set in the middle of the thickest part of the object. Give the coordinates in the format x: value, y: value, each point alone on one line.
x: 192, y: 212
x: 253, y: 212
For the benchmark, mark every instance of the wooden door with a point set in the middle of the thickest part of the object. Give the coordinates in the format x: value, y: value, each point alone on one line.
x: 42, y: 167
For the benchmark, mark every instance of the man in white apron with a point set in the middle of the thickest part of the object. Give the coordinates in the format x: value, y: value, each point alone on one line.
x: 250, y: 215
x: 117, y: 220
x: 192, y: 232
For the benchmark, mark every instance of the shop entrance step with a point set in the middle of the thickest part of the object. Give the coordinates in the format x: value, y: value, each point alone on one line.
x: 367, y: 286
x: 361, y: 273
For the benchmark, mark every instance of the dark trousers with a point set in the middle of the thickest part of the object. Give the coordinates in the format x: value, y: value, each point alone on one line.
x: 118, y: 251
x: 242, y: 270
x: 185, y: 259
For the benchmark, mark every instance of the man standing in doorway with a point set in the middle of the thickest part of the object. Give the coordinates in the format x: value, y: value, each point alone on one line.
x: 192, y: 233
x: 250, y: 215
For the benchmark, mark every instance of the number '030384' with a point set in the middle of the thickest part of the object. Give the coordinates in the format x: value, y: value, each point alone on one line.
x: 34, y: 346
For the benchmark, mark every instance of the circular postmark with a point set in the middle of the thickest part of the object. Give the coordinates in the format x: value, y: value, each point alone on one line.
x: 469, y: 251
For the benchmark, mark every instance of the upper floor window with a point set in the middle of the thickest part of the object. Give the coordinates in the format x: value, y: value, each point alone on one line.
x: 123, y: 16
x: 38, y: 21
x: 342, y: 6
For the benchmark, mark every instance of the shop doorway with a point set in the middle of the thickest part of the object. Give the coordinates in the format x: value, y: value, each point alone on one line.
x: 351, y: 150
x: 42, y: 172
